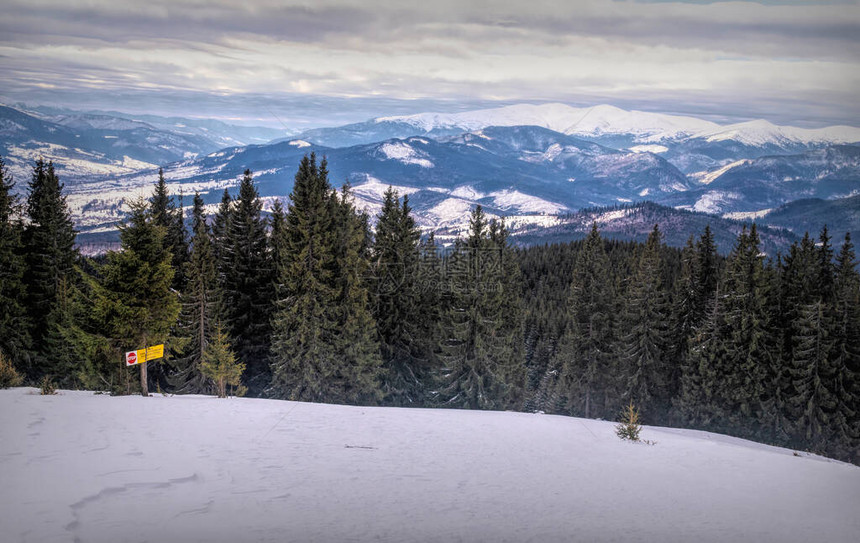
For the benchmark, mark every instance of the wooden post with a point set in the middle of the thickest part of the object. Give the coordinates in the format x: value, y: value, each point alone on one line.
x: 144, y: 387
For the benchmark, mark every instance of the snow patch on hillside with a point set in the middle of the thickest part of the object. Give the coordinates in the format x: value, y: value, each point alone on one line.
x: 552, y: 152
x: 404, y: 153
x: 614, y: 215
x: 300, y: 143
x: 450, y: 211
x: 649, y: 149
x: 747, y: 215
x: 707, y: 177
x: 713, y: 201
x: 375, y: 188
x: 524, y: 203
x: 134, y: 164
x: 467, y: 192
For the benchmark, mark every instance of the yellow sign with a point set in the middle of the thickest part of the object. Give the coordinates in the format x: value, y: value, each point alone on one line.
x: 156, y: 351
x: 143, y: 355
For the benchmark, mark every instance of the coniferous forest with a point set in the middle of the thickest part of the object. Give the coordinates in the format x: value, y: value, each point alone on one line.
x: 314, y: 303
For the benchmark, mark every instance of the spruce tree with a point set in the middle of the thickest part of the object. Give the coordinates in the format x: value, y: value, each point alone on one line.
x: 698, y: 403
x: 321, y: 350
x: 845, y: 354
x: 14, y: 325
x: 685, y: 318
x: 693, y: 305
x: 219, y: 364
x: 826, y: 269
x: 134, y: 302
x: 814, y: 378
x: 166, y: 214
x: 747, y: 335
x: 49, y: 245
x: 707, y: 273
x: 278, y: 242
x: 432, y: 305
x: 248, y: 285
x: 585, y: 349
x: 646, y: 369
x: 482, y: 328
x: 220, y: 242
x: 800, y: 294
x: 775, y: 427
x: 358, y: 340
x: 396, y: 303
x: 304, y: 324
x: 506, y: 303
x: 200, y: 308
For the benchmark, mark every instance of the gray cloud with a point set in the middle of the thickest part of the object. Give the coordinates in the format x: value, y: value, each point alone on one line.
x: 792, y: 61
x: 794, y: 31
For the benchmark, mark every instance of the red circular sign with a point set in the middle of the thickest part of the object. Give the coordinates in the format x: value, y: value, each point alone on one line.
x: 131, y: 358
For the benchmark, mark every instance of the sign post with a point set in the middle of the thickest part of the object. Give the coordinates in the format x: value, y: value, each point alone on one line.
x: 141, y: 357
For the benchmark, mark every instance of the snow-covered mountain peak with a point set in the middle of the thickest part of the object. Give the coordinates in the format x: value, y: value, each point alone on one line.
x: 600, y: 120
x: 762, y: 132
x: 547, y: 115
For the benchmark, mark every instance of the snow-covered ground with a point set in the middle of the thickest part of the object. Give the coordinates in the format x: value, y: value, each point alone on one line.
x: 84, y: 467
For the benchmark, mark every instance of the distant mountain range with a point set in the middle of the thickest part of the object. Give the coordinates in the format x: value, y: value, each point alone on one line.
x: 218, y: 132
x: 96, y: 144
x: 529, y: 163
x: 604, y: 124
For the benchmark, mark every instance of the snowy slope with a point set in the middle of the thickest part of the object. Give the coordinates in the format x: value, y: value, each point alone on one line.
x: 82, y: 467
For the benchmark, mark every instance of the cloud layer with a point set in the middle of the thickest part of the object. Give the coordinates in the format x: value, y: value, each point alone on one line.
x: 787, y: 61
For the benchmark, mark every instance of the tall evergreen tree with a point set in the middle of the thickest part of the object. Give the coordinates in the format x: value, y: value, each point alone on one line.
x: 585, y: 349
x: 248, y: 285
x: 397, y: 304
x: 316, y: 354
x: 684, y: 321
x: 800, y: 291
x: 695, y: 315
x: 707, y: 273
x: 747, y: 337
x: 220, y: 241
x: 481, y: 344
x: 134, y: 301
x: 304, y: 324
x: 697, y: 402
x: 645, y: 345
x: 358, y: 339
x: 846, y: 352
x: 814, y: 378
x: 166, y: 214
x: 200, y: 305
x: 278, y: 242
x: 14, y: 325
x: 826, y: 269
x: 775, y: 427
x: 506, y: 303
x: 49, y: 244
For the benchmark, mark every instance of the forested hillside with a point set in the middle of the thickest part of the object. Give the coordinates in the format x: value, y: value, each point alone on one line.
x: 313, y: 304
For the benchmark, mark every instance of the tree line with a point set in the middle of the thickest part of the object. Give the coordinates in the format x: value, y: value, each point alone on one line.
x: 312, y: 303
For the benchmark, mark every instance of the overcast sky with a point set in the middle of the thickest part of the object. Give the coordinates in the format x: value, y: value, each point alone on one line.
x: 326, y: 62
